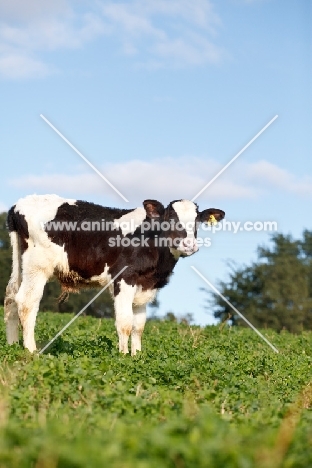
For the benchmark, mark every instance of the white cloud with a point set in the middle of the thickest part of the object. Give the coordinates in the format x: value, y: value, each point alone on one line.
x: 168, y: 179
x: 175, y: 33
x: 25, y: 10
x: 279, y: 178
x: 164, y: 179
x: 51, y: 34
x: 156, y: 32
x: 16, y: 65
x: 200, y: 13
x: 24, y: 38
x: 182, y: 51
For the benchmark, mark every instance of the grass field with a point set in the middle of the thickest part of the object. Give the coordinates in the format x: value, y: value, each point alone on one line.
x: 195, y: 397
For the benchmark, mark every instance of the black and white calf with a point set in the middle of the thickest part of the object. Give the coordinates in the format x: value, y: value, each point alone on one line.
x: 64, y: 238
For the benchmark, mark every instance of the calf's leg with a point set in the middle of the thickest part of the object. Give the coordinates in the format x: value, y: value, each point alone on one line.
x: 139, y: 319
x: 28, y: 300
x: 124, y: 314
x: 10, y: 313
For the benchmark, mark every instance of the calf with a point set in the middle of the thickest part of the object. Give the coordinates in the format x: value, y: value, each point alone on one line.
x: 86, y: 245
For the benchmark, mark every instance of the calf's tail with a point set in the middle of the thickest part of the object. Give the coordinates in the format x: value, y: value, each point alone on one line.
x: 10, y: 306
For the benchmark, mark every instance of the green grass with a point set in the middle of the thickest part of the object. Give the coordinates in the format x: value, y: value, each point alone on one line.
x: 193, y: 398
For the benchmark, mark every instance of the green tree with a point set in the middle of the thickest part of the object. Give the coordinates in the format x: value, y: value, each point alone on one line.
x: 306, y: 251
x: 101, y: 307
x: 275, y: 291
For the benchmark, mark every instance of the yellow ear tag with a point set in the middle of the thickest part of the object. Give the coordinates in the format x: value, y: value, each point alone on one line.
x: 212, y: 220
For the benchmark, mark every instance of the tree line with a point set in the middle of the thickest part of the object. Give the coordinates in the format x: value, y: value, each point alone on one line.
x: 273, y: 292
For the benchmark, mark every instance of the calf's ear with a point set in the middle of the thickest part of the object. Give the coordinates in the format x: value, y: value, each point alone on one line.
x: 153, y: 208
x: 212, y: 215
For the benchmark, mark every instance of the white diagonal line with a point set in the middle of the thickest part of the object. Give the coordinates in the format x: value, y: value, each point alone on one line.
x: 235, y: 157
x: 234, y: 308
x: 84, y: 158
x: 80, y: 312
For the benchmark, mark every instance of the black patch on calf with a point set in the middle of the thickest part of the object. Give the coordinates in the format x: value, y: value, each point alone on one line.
x: 149, y: 267
x: 88, y: 251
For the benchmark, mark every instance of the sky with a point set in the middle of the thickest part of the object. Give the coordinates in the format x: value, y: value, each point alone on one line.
x: 159, y: 95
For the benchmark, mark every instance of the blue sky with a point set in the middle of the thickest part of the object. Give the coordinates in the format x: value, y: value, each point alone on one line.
x: 160, y: 95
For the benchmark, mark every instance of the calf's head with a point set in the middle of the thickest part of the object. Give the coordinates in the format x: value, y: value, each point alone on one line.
x: 178, y: 223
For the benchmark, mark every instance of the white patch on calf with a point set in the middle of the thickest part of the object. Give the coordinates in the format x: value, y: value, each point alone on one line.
x: 176, y: 253
x: 129, y: 222
x: 38, y: 210
x: 187, y: 214
x: 103, y: 279
x: 143, y: 297
x: 38, y: 257
x: 186, y: 211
